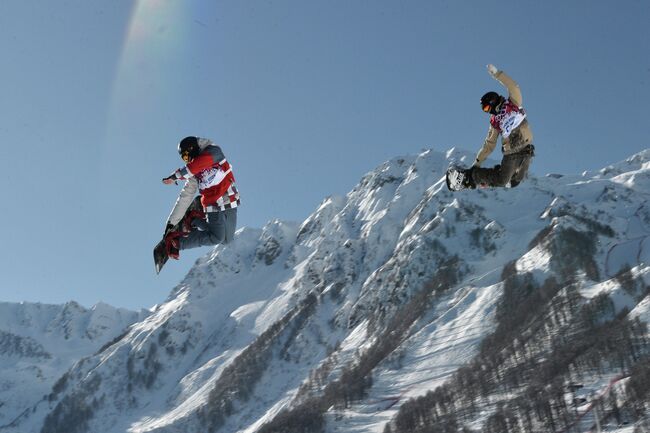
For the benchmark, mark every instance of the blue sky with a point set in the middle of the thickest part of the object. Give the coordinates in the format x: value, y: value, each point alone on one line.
x: 304, y: 97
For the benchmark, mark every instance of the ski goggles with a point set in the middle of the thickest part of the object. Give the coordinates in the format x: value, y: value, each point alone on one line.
x: 185, y: 156
x: 487, y: 108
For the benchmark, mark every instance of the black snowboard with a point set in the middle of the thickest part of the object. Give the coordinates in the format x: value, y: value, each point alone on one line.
x: 195, y: 210
x: 455, y: 178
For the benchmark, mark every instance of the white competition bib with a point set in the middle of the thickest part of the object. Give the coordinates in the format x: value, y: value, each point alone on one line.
x: 510, y: 121
x: 211, y: 177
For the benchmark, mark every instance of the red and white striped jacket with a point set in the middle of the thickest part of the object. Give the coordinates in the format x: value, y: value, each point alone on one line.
x: 212, y: 175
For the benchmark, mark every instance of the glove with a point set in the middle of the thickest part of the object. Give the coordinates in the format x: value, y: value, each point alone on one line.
x: 170, y: 179
x: 492, y: 70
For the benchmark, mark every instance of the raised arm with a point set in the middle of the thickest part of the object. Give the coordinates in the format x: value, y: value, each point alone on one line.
x: 514, y: 93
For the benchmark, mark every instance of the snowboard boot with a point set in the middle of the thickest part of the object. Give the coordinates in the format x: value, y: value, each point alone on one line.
x: 186, y: 225
x: 173, y: 244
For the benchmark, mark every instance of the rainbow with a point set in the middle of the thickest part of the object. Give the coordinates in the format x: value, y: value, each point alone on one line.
x: 155, y: 27
x: 156, y: 35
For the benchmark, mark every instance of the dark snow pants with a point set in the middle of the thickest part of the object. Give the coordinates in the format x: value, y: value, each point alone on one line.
x: 513, y: 169
x: 218, y: 229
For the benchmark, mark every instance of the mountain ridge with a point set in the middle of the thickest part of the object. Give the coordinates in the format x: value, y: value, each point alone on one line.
x: 40, y: 342
x: 376, y: 298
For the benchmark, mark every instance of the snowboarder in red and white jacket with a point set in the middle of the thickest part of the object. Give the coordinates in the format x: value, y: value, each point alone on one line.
x: 207, y: 172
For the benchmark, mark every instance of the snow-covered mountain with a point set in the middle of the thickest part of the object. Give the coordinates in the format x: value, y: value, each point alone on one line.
x: 39, y: 343
x: 349, y: 321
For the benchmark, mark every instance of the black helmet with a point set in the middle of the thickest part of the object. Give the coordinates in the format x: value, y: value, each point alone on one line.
x: 490, y: 101
x: 189, y: 148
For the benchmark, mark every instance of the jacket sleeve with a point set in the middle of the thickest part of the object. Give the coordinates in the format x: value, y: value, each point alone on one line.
x: 184, y: 200
x: 488, y: 146
x: 514, y: 93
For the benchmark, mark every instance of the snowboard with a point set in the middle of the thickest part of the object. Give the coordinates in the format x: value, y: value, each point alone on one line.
x: 455, y: 178
x: 194, y: 211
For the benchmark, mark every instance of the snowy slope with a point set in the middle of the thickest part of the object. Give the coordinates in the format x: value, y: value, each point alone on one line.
x: 283, y: 312
x: 39, y: 343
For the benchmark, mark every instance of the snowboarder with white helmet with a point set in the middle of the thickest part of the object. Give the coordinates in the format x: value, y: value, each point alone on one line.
x: 508, y: 119
x: 207, y: 172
